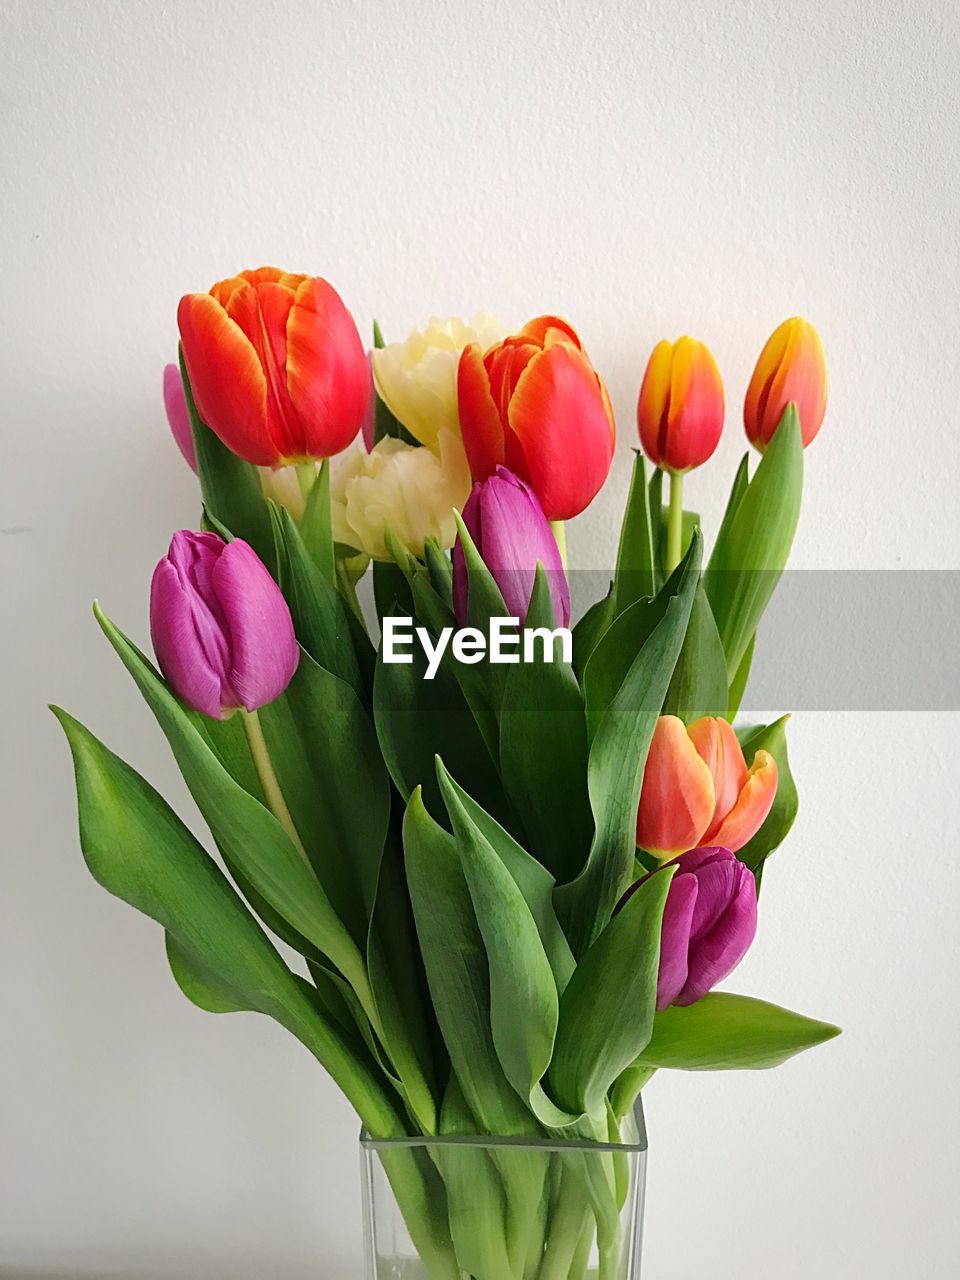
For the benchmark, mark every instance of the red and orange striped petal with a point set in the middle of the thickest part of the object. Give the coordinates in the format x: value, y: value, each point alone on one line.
x: 677, y: 798
x: 226, y: 378
x: 695, y: 411
x: 560, y: 415
x: 327, y: 374
x: 717, y: 746
x: 801, y: 378
x: 752, y: 807
x: 654, y: 401
x: 545, y: 331
x: 480, y: 423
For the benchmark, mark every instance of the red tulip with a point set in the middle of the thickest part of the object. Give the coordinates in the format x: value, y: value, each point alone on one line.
x: 536, y: 405
x: 680, y: 409
x: 791, y: 368
x: 698, y: 790
x: 277, y: 368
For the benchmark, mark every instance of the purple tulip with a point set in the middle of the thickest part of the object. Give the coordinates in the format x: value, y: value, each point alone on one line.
x: 511, y: 533
x: 221, y: 630
x: 178, y: 416
x: 709, y: 922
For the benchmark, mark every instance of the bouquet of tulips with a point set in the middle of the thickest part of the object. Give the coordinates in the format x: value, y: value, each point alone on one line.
x: 510, y: 858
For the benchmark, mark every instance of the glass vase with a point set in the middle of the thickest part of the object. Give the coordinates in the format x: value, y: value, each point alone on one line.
x: 481, y: 1208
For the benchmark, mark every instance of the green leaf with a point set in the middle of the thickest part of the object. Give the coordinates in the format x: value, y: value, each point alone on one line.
x: 418, y: 719
x: 739, y: 487
x: 626, y: 694
x: 315, y: 527
x: 699, y: 684
x: 230, y: 487
x: 751, y: 554
x: 318, y: 735
x: 484, y: 601
x: 399, y: 988
x: 636, y: 576
x: 391, y: 591
x: 590, y: 628
x: 455, y: 961
x: 440, y: 570
x: 139, y: 850
x: 248, y: 835
x: 772, y: 738
x: 724, y: 1032
x: 532, y: 879
x: 543, y: 751
x: 606, y: 1013
x: 658, y: 523
x: 739, y: 682
x: 320, y: 617
x: 523, y: 994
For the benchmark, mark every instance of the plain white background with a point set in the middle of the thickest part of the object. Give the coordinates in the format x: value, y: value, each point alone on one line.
x: 646, y: 168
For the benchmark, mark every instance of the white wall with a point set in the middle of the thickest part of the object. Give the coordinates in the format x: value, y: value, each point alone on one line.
x: 646, y: 168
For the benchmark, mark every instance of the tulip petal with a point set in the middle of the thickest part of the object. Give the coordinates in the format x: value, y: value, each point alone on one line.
x: 178, y: 415
x: 717, y: 953
x: 514, y: 536
x: 654, y: 402
x: 328, y: 375
x: 561, y: 419
x: 546, y: 331
x: 801, y: 378
x: 677, y: 798
x: 261, y: 311
x: 675, y: 938
x: 695, y: 411
x: 480, y: 423
x: 226, y: 378
x: 263, y: 645
x: 717, y: 745
x: 752, y: 807
x: 183, y: 658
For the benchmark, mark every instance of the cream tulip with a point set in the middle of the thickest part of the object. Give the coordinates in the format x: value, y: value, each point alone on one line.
x: 408, y: 489
x: 417, y: 379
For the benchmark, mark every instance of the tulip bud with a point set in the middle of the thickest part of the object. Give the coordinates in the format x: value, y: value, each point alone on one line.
x: 178, y: 416
x: 709, y: 923
x: 276, y: 366
x: 511, y: 533
x: 791, y: 368
x: 698, y: 791
x: 680, y: 409
x: 535, y: 403
x: 221, y: 629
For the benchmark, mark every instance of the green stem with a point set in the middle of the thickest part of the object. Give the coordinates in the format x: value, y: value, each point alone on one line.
x: 675, y: 521
x: 307, y: 477
x: 268, y: 778
x: 560, y: 535
x: 627, y: 1087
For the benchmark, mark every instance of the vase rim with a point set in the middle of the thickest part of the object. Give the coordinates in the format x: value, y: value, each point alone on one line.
x: 522, y: 1141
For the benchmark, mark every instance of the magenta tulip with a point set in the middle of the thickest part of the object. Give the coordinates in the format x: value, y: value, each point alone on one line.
x: 709, y: 922
x: 512, y: 534
x: 178, y: 415
x: 221, y: 629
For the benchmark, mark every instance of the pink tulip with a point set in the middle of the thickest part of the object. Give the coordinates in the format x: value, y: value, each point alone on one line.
x: 512, y: 534
x: 221, y: 629
x: 709, y: 923
x: 177, y: 414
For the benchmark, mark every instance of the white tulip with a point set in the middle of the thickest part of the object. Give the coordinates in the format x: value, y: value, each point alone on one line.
x: 417, y: 379
x: 409, y: 489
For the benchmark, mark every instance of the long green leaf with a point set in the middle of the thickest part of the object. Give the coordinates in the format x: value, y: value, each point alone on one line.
x: 750, y: 557
x: 248, y: 835
x: 606, y: 1013
x: 699, y: 684
x: 725, y: 1032
x: 543, y: 751
x: 776, y: 826
x: 636, y: 575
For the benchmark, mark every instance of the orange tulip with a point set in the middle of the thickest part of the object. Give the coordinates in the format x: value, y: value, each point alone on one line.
x: 535, y: 404
x: 697, y: 790
x: 680, y: 410
x: 276, y: 366
x: 791, y: 368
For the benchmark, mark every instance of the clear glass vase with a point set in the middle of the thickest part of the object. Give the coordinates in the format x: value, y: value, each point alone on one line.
x: 464, y: 1208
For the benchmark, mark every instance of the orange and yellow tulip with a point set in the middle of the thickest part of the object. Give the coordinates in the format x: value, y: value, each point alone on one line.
x: 535, y: 404
x: 680, y: 409
x: 276, y: 365
x: 791, y: 368
x: 698, y: 791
